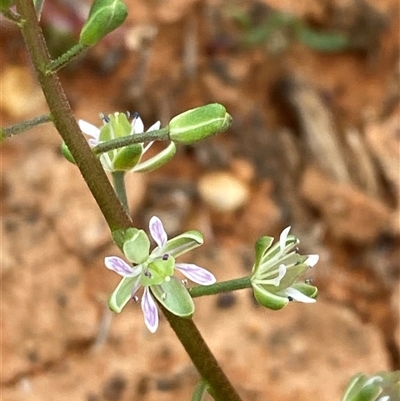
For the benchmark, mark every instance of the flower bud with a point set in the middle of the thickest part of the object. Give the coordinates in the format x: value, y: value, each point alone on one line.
x: 104, y: 17
x: 199, y: 123
x: 67, y: 153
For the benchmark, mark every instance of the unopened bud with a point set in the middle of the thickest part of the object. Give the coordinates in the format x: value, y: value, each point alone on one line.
x: 199, y: 123
x: 104, y: 17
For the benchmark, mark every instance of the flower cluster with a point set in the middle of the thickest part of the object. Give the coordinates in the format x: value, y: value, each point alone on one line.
x: 128, y: 157
x: 154, y: 272
x: 276, y: 270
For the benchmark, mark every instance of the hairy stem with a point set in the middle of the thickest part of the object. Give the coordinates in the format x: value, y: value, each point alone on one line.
x: 223, y: 286
x: 24, y: 126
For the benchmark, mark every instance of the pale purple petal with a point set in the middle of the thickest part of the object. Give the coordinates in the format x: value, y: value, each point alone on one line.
x: 137, y: 125
x: 149, y: 309
x: 157, y: 231
x: 156, y: 126
x: 196, y: 273
x: 89, y: 129
x: 93, y: 142
x: 283, y: 237
x: 297, y: 295
x: 312, y: 260
x: 119, y: 266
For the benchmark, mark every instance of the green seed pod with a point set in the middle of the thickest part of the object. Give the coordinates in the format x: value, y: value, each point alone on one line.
x: 199, y: 123
x: 104, y: 17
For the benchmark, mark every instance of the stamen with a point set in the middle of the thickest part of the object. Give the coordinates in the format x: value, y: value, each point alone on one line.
x: 104, y: 118
x: 135, y: 298
x: 308, y: 280
x: 290, y: 299
x: 165, y: 257
x: 147, y: 274
x: 184, y: 282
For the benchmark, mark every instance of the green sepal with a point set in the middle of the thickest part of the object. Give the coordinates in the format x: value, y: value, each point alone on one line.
x: 156, y: 161
x: 127, y: 157
x: 174, y: 296
x: 267, y: 299
x: 180, y: 244
x: 122, y: 294
x: 309, y: 290
x: 104, y: 17
x: 196, y: 124
x: 262, y: 245
x: 137, y: 248
x: 160, y: 270
x: 67, y: 154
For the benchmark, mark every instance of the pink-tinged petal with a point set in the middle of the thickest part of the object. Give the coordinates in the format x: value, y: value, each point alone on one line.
x: 93, y: 142
x: 283, y: 237
x: 312, y: 260
x: 137, y: 125
x: 157, y: 231
x: 89, y: 129
x: 156, y: 126
x: 297, y: 295
x: 150, y: 311
x: 119, y: 266
x: 196, y: 273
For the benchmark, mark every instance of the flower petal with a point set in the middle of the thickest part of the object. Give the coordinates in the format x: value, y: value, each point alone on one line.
x: 89, y: 129
x: 312, y: 260
x: 149, y: 309
x: 196, y: 273
x: 156, y: 126
x: 157, y: 231
x: 137, y: 125
x: 282, y: 239
x: 119, y: 266
x: 297, y: 295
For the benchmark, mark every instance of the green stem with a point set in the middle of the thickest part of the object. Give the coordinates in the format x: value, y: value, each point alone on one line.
x: 223, y: 286
x: 159, y: 135
x: 119, y: 187
x: 90, y: 167
x: 15, y: 129
x: 219, y: 386
x: 65, y: 58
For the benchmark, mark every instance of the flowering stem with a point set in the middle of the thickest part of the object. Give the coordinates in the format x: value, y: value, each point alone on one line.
x: 119, y: 187
x: 158, y: 135
x: 223, y: 286
x: 65, y: 58
x: 219, y: 386
x: 24, y: 126
x: 98, y: 183
x: 90, y: 167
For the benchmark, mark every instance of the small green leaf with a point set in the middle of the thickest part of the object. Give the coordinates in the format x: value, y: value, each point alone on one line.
x: 174, y: 296
x: 122, y: 294
x: 104, y: 17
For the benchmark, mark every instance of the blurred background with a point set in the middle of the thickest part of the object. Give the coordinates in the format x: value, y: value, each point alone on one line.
x: 313, y: 88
